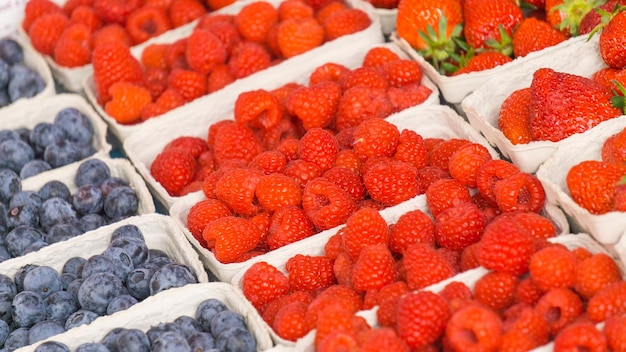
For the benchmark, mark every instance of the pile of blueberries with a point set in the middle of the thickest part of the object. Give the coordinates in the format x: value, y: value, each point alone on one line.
x: 40, y: 302
x: 215, y: 328
x: 17, y: 80
x: 30, y: 220
x: 48, y: 145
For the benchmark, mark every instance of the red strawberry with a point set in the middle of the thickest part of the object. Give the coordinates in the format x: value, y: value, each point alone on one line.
x: 275, y: 191
x: 514, y: 117
x: 289, y: 224
x: 309, y: 273
x: 620, y: 195
x: 229, y: 237
x: 360, y: 103
x: 237, y: 189
x: 262, y: 283
x: 422, y: 318
x: 566, y: 15
x: 483, y: 61
x: 374, y: 268
x: 505, y: 246
x: 412, y: 227
x: 391, y: 182
x: 533, y: 35
x: 488, y: 21
x: 591, y: 184
x: 612, y: 42
x: 202, y: 213
x: 614, y: 148
x: 459, y: 226
x: 474, y: 328
x: 345, y: 22
x: 113, y: 62
x: 424, y: 266
x: 326, y: 204
x: 593, y: 18
x: 365, y: 227
x: 73, y: 48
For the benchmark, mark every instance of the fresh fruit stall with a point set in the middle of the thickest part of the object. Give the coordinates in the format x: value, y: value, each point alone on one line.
x: 312, y: 175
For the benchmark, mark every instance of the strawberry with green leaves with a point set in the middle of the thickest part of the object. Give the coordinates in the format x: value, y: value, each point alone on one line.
x: 566, y: 15
x: 490, y: 23
x: 613, y: 40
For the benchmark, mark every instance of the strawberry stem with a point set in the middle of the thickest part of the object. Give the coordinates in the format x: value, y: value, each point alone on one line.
x: 619, y: 99
x: 439, y: 46
x: 574, y: 11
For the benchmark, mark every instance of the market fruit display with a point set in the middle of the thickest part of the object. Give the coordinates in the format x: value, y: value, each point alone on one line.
x: 17, y: 79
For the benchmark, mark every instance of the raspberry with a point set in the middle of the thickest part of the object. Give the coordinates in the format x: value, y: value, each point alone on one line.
x: 230, y: 237
x: 237, y: 188
x: 364, y: 76
x: 459, y: 226
x: 262, y: 283
x: 127, y: 101
x: 37, y: 8
x: 580, y: 336
x: 195, y: 145
x: 428, y: 175
x: 326, y: 204
x: 328, y: 72
x: 248, y: 58
x: 537, y: 226
x: 295, y: 9
x: 422, y: 318
x: 334, y: 246
x: 310, y: 273
x: 276, y: 191
x: 204, y: 51
x: 505, y: 247
x: 289, y: 322
x: 184, y: 11
x: 559, y: 307
x: 376, y: 297
x: 365, y: 227
x: 315, y: 105
x: 374, y: 268
x: 594, y: 273
x: 553, y: 267
x: 529, y: 322
x: 202, y: 213
x: 456, y: 290
x: 387, y: 313
x: 615, y: 332
x: 226, y: 32
x: 446, y: 193
x: 516, y: 340
x: 155, y: 81
x: 607, y: 302
x: 219, y: 78
x: 496, y: 290
x: 411, y: 149
x: 469, y: 258
x: 297, y: 36
x: 407, y: 96
x: 86, y: 15
x: 235, y: 141
x: 360, y: 103
x: 342, y: 296
x: 338, y: 341
x: 147, y: 22
x: 289, y: 148
x: 527, y: 292
x: 46, y: 30
x: 318, y: 146
x: 521, y: 191
x: 170, y: 99
x: 175, y: 55
x: 289, y: 225
x: 466, y: 161
x: 218, y: 4
x: 113, y: 62
x: 255, y: 20
x: 333, y: 319
x: 269, y: 162
x: 258, y: 108
x: 383, y: 339
x: 347, y: 159
x: 343, y: 268
x: 424, y: 266
x: 474, y: 328
x: 302, y: 171
x: 391, y: 183
x: 441, y: 152
x: 274, y: 136
x: 347, y: 180
x: 379, y: 56
x: 412, y: 227
x: 345, y: 22
x: 70, y: 5
x: 403, y: 72
x: 115, y: 11
x: 273, y: 307
x: 375, y: 137
x: 491, y: 172
x: 110, y: 32
x: 190, y: 84
x: 73, y: 48
x: 173, y: 169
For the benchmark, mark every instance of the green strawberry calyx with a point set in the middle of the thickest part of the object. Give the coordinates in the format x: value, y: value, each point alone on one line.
x: 605, y: 18
x: 574, y: 11
x: 439, y: 46
x: 619, y: 98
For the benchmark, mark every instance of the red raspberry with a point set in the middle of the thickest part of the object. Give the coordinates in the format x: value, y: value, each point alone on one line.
x: 521, y: 191
x: 328, y: 72
x: 229, y: 237
x: 365, y: 227
x: 333, y: 319
x: 73, y: 48
x: 318, y: 146
x: 496, y: 290
x: 342, y: 296
x: 607, y: 302
x: 258, y: 108
x: 334, y: 246
x: 87, y: 16
x: 255, y: 20
x: 379, y: 56
x: 219, y: 78
x: 155, y: 81
x: 127, y: 101
x: 302, y: 171
x: 456, y: 290
x: 194, y: 145
x: 411, y: 149
x: 315, y: 105
x: 272, y: 308
x: 383, y: 339
x: 289, y: 225
x: 326, y: 204
x: 175, y: 55
x: 190, y: 84
x: 235, y: 141
x: 469, y: 258
x: 446, y: 193
x: 459, y: 226
x: 594, y: 273
x: 474, y: 328
x: 559, y: 307
x: 170, y: 99
x: 202, y: 213
x: 113, y: 62
x: 387, y: 313
x: 110, y: 32
x: 580, y: 336
x: 615, y: 332
x: 289, y: 322
x: 528, y: 321
x: 424, y: 266
x: 294, y: 9
x: 553, y: 267
x: 392, y: 182
x: 262, y: 283
x: 347, y: 159
x: 276, y: 191
x: 204, y: 51
x: 70, y: 5
x: 347, y: 180
x: 343, y: 268
x: 345, y: 22
x: 248, y: 58
x: 400, y: 73
x: 422, y: 318
x: 407, y: 96
x: 516, y: 340
x: 412, y: 227
x: 360, y: 103
x: 297, y: 36
x: 375, y: 137
x: 491, y: 172
x: 364, y: 76
x: 184, y: 11
x: 147, y: 22
x: 376, y: 297
x: 173, y: 169
x: 466, y: 161
x: 115, y: 11
x: 429, y: 174
x: 537, y: 226
x: 218, y: 4
x: 338, y: 341
x: 527, y: 292
x: 310, y: 273
x: 269, y: 162
x: 237, y: 189
x: 374, y: 268
x: 441, y: 152
x: 34, y: 9
x: 505, y: 247
x: 46, y: 30
x: 226, y: 32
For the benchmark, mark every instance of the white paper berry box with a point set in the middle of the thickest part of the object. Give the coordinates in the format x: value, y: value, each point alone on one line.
x: 142, y: 154
x: 482, y: 107
x: 298, y: 67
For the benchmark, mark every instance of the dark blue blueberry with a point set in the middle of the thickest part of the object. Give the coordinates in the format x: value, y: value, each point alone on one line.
x: 236, y: 340
x: 60, y: 305
x: 86, y: 150
x: 16, y: 339
x: 80, y: 317
x: 4, y: 331
x: 15, y: 153
x: 25, y: 197
x: 188, y: 325
x: 91, y: 222
x: 133, y: 340
x: 157, y: 263
x: 28, y: 309
x: 54, y: 189
x: 43, y: 330
x: 170, y: 276
x: 44, y: 134
x: 137, y: 248
x: 88, y: 199
x: 4, y: 77
x: 24, y: 82
x: 34, y: 247
x: 157, y: 330
x: 52, y: 346
x: 171, y: 342
x: 98, y: 290
x: 74, y: 265
x: 206, y: 310
x: 56, y: 211
x: 128, y: 230
x: 97, y: 263
x: 73, y: 288
x: 91, y: 347
x: 138, y: 283
x: 7, y: 285
x: 8, y: 134
x: 33, y: 168
x: 156, y: 253
x: 11, y: 51
x: 75, y: 124
x: 121, y: 203
x: 62, y: 153
x: 227, y: 319
x: 21, y: 237
x: 110, y: 339
x: 27, y: 214
x: 201, y: 341
x: 122, y: 262
x: 61, y: 232
x: 10, y: 184
x: 23, y: 133
x: 6, y: 307
x: 43, y: 280
x: 111, y: 183
x: 66, y: 279
x: 5, y: 100
x: 120, y: 303
x: 4, y: 253
x: 92, y: 171
x: 20, y: 274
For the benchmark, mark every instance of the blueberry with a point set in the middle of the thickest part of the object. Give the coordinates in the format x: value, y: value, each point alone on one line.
x: 170, y: 276
x: 98, y: 290
x: 23, y: 133
x: 8, y: 134
x: 201, y: 341
x: 34, y: 247
x: 157, y: 330
x: 227, y: 319
x: 92, y: 171
x: 157, y: 263
x: 128, y: 230
x: 20, y: 274
x: 73, y: 288
x: 188, y: 325
x: 27, y: 214
x: 138, y: 283
x: 91, y: 222
x: 15, y: 153
x: 97, y: 263
x: 60, y: 305
x: 4, y: 253
x: 16, y: 339
x: 236, y: 340
x: 4, y: 331
x: 24, y: 82
x: 4, y: 76
x: 43, y: 280
x: 11, y: 51
x: 61, y: 232
x: 133, y: 340
x: 7, y: 285
x: 6, y: 306
x: 111, y: 183
x: 56, y: 211
x: 66, y: 279
x: 54, y: 189
x: 171, y: 342
x: 156, y: 253
x: 10, y: 184
x: 52, y: 346
x: 75, y: 124
x: 86, y: 150
x: 122, y: 261
x: 74, y: 266
x: 88, y: 199
x: 28, y: 308
x: 136, y: 248
x: 206, y: 310
x: 110, y: 339
x: 121, y: 202
x: 21, y: 237
x: 44, y: 134
x: 91, y: 347
x: 33, y: 168
x: 25, y: 197
x: 120, y: 303
x: 44, y: 329
x: 5, y: 100
x: 80, y: 317
x: 62, y: 153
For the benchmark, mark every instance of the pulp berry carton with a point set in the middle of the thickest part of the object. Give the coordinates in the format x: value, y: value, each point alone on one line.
x: 482, y: 107
x: 295, y: 69
x: 142, y: 154
x: 145, y: 314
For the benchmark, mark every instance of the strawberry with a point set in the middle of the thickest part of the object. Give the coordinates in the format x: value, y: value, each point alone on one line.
x: 374, y: 138
x: 412, y: 227
x: 309, y: 273
x: 255, y: 20
x: 483, y: 61
x: 147, y: 22
x: 580, y: 336
x: 34, y: 9
x: 184, y: 11
x: 318, y: 146
x: 190, y: 84
x: 533, y: 35
x: 328, y: 72
x: 489, y: 23
x: 248, y: 58
x: 73, y: 48
x: 593, y: 18
x: 587, y: 102
x: 326, y: 204
x: 612, y: 42
x: 614, y: 148
x: 204, y: 51
x: 262, y: 283
x: 505, y: 246
x: 202, y: 213
x: 127, y: 101
x: 591, y: 184
x: 566, y: 15
x: 289, y: 224
x: 360, y: 103
x: 496, y: 290
x: 297, y: 36
x: 363, y: 228
x: 620, y: 195
x: 519, y: 192
x: 594, y: 273
x: 548, y: 261
x: 237, y: 189
x: 374, y: 268
x: 173, y: 169
x: 422, y: 318
x: 391, y: 183
x: 113, y: 62
x: 46, y: 30
x: 615, y: 332
x: 86, y: 15
x: 276, y: 191
x: 115, y: 11
x: 446, y: 193
x: 459, y: 226
x: 315, y: 105
x: 289, y: 322
x: 514, y: 117
x: 345, y: 22
x: 424, y: 266
x: 379, y: 56
x: 229, y: 237
x: 474, y: 327
x: 561, y: 300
